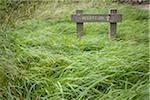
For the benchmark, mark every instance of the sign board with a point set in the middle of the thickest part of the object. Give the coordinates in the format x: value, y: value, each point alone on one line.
x: 95, y: 18
x: 90, y: 18
x: 112, y: 18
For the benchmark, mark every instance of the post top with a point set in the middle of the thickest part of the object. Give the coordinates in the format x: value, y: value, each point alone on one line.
x: 113, y: 10
x: 79, y: 11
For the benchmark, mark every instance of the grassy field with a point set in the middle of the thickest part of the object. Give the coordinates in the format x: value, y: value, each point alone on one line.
x: 41, y: 58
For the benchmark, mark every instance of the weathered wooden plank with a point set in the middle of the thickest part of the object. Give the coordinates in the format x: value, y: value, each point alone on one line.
x: 96, y: 18
x: 90, y: 18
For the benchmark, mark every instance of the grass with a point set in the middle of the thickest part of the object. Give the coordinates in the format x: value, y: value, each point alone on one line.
x: 42, y: 58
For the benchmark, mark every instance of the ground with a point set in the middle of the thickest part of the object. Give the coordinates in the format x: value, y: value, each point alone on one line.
x: 41, y: 58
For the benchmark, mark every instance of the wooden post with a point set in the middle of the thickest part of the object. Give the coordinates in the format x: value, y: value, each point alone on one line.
x: 113, y: 24
x: 79, y: 25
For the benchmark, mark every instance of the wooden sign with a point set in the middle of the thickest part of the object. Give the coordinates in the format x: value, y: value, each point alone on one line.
x: 112, y: 18
x: 90, y: 18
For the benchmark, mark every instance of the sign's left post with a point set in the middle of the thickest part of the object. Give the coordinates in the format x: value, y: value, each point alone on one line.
x: 79, y: 25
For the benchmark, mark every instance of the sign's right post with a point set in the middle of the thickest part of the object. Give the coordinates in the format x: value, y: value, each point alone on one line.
x: 113, y: 24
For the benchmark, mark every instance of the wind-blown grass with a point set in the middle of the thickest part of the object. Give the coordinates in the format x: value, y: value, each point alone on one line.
x: 43, y: 59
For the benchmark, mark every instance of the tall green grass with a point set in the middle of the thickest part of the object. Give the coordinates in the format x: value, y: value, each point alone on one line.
x: 42, y: 58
